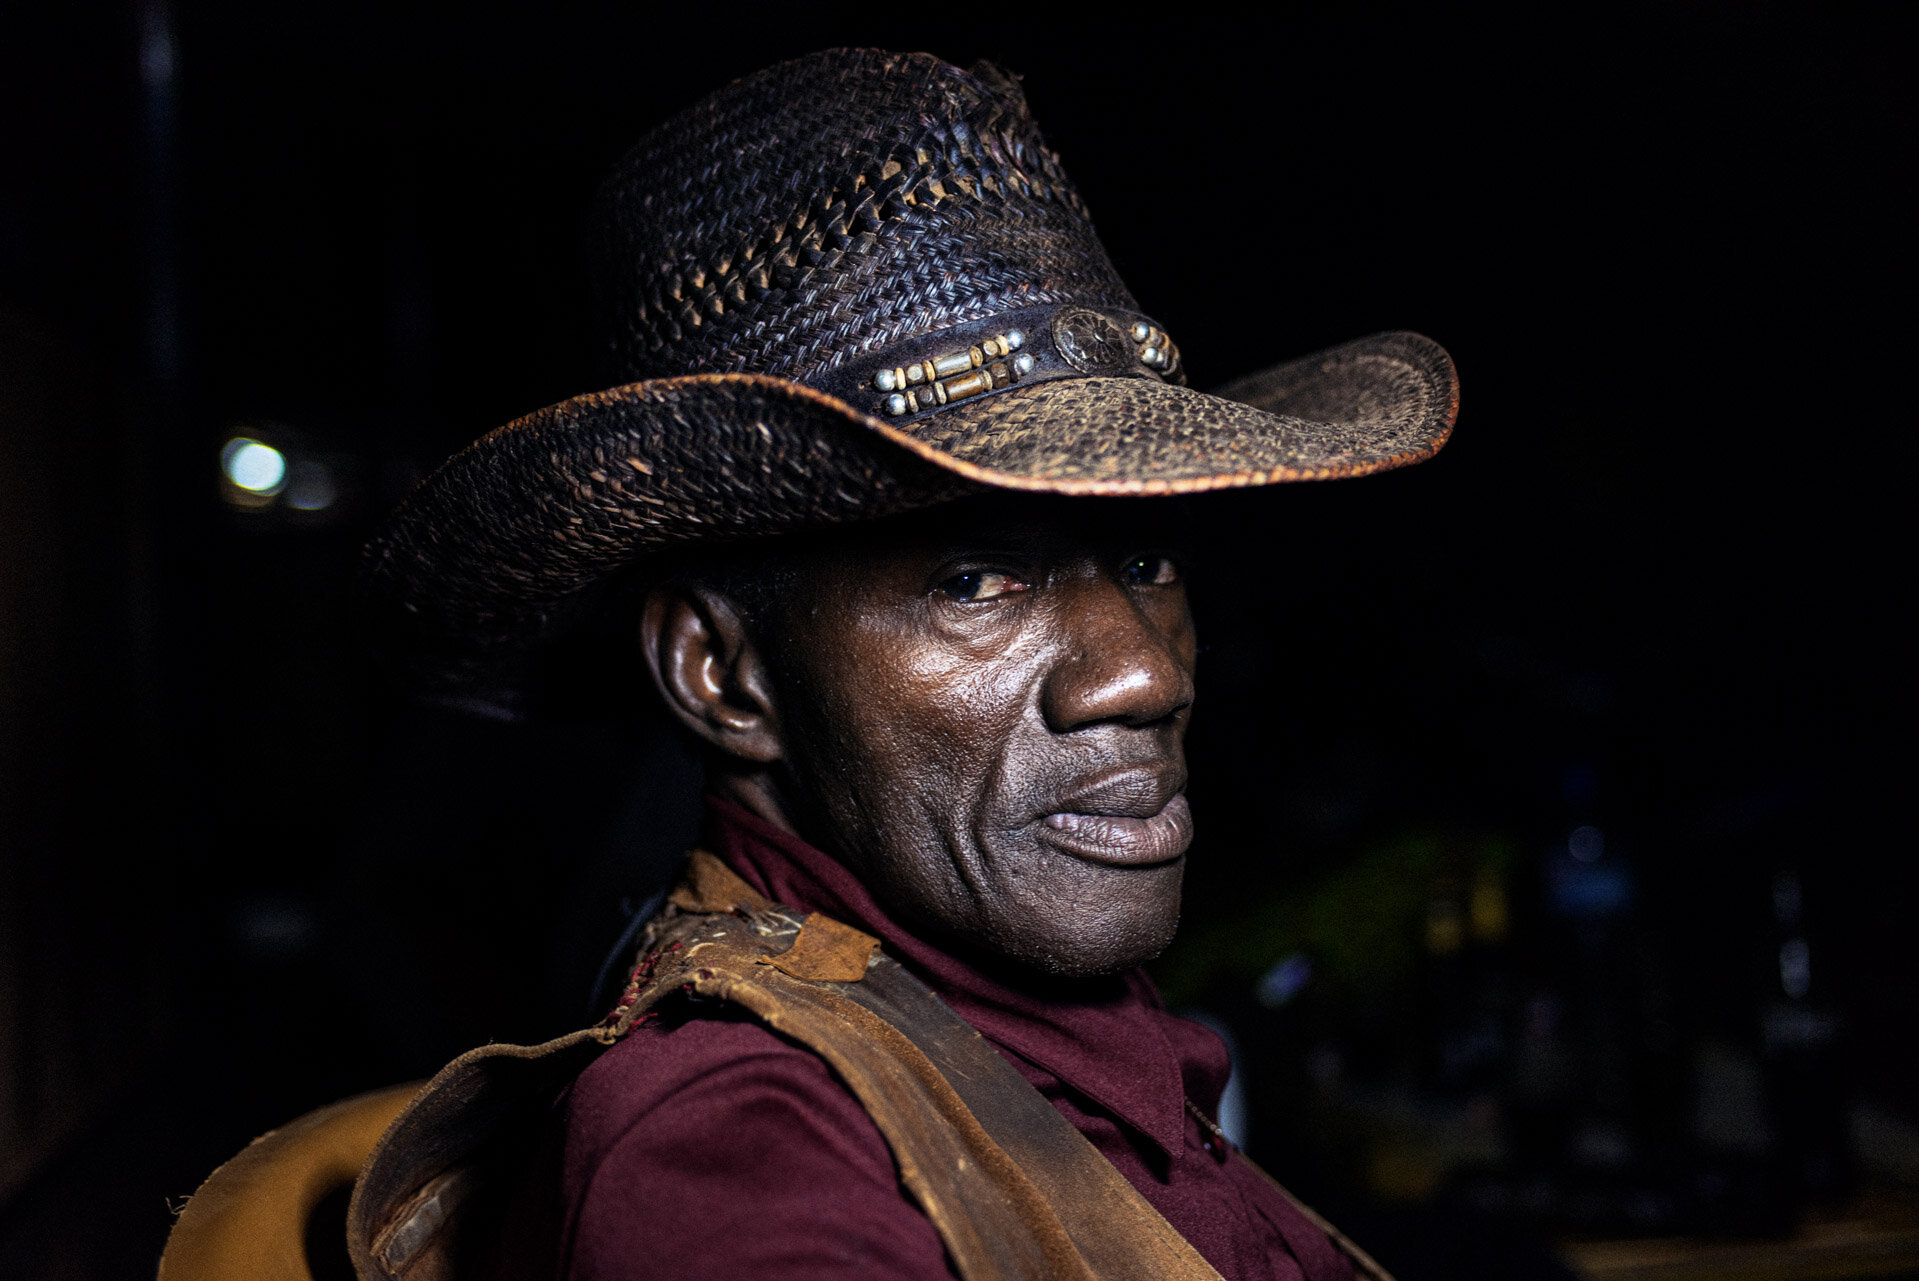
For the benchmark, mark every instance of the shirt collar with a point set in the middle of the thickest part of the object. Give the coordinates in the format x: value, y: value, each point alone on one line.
x: 1103, y: 1039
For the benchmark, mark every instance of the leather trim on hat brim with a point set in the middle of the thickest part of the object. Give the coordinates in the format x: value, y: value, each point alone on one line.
x: 546, y: 505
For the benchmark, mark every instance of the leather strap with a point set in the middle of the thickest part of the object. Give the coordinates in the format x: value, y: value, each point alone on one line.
x: 1113, y: 1231
x: 1015, y: 1192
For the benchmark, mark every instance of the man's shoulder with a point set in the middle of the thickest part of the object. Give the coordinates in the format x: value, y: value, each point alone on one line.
x: 684, y: 1072
x: 714, y: 1141
x: 666, y: 1054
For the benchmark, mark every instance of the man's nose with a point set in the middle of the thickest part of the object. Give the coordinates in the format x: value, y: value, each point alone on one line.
x: 1116, y: 663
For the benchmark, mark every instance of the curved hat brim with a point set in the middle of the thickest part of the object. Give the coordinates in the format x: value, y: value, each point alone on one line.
x: 547, y: 505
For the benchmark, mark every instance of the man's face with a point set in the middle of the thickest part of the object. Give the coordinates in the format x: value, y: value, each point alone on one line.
x: 983, y: 711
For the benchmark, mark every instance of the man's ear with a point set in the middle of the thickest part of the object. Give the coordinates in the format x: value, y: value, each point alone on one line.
x: 709, y: 671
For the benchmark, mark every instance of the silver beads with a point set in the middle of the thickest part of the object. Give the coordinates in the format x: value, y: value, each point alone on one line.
x: 971, y: 371
x: 992, y: 363
x: 1156, y: 350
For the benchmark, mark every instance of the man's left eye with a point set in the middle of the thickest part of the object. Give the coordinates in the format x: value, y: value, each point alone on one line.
x: 984, y: 584
x: 1154, y: 571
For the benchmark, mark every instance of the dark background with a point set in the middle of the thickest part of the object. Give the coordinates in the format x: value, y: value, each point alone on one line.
x: 1653, y: 583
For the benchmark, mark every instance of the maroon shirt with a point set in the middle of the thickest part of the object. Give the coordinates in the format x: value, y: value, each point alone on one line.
x: 711, y: 1147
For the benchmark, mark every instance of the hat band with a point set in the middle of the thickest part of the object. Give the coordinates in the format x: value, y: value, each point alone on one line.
x: 926, y: 373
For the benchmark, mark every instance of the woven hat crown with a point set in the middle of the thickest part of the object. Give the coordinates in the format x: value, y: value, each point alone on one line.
x: 834, y: 205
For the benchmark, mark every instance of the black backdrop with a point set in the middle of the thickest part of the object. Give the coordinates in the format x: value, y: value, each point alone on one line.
x: 1666, y: 546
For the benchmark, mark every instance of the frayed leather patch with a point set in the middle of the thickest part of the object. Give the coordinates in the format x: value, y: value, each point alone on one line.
x: 826, y: 951
x: 708, y: 885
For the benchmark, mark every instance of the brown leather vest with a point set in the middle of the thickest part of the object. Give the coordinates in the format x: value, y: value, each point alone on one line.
x: 1013, y: 1189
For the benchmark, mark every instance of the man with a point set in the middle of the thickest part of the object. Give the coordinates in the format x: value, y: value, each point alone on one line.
x: 884, y: 460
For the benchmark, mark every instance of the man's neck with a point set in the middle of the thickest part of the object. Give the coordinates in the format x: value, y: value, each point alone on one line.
x: 755, y: 791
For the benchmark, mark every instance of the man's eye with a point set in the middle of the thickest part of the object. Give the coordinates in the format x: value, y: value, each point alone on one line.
x: 982, y: 584
x: 1154, y: 571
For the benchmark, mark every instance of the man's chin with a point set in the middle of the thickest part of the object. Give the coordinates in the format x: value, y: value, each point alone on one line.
x: 1067, y: 942
x: 1091, y: 963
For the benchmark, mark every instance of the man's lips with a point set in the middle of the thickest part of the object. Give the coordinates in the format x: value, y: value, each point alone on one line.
x: 1124, y: 841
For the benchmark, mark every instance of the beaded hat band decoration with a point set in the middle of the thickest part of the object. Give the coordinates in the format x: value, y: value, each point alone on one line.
x: 1032, y: 344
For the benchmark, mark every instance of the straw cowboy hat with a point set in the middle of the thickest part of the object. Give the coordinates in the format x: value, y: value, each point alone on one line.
x: 848, y: 286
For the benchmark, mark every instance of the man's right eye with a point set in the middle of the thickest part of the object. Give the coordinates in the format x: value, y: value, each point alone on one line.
x: 982, y: 584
